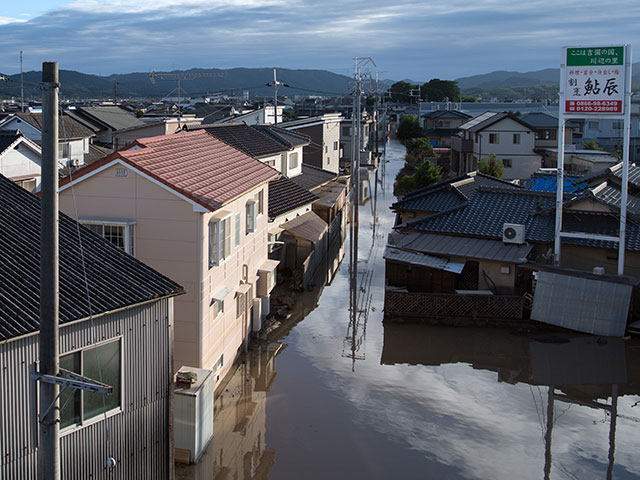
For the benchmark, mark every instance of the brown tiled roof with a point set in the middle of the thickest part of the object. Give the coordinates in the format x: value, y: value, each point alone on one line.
x: 285, y: 195
x: 194, y: 164
x: 67, y: 127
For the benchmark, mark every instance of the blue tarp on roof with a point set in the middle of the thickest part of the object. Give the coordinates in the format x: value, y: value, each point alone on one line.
x: 547, y: 183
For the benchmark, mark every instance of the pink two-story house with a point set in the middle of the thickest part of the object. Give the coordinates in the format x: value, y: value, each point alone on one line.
x: 195, y: 209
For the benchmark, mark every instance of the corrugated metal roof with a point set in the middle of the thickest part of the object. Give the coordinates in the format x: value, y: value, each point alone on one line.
x: 583, y: 304
x: 462, y: 247
x: 116, y: 280
x: 422, y: 259
x: 308, y: 226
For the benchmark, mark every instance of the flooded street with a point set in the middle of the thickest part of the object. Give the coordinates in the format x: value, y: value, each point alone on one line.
x: 338, y: 397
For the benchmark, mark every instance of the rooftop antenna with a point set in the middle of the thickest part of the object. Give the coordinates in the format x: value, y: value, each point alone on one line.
x: 178, y: 77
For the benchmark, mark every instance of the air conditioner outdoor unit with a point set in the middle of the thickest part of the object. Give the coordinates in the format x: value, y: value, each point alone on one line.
x: 513, y: 233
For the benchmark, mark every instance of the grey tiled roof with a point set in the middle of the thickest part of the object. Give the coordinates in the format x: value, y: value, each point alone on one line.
x: 445, y: 114
x: 68, y: 127
x: 111, y: 116
x: 286, y: 195
x: 484, y: 215
x: 116, y: 280
x: 287, y: 138
x: 244, y: 138
x: 7, y: 137
x: 449, y: 193
x: 445, y: 197
x: 313, y: 177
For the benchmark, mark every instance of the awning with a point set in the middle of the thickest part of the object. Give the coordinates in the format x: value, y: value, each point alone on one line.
x: 467, y: 247
x: 222, y: 293
x: 308, y: 226
x: 269, y: 266
x: 244, y: 288
x: 413, y: 258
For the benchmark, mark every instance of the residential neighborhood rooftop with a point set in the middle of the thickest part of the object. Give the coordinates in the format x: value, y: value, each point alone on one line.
x: 313, y: 177
x: 286, y: 195
x: 68, y: 127
x: 115, y: 279
x: 243, y: 137
x: 195, y: 164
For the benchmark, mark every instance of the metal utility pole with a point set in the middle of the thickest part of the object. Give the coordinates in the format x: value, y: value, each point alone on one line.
x: 49, y: 407
x: 21, y: 85
x: 275, y: 84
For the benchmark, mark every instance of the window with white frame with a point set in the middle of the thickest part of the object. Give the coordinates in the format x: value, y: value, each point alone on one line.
x: 237, y: 231
x: 219, y: 240
x: 218, y: 307
x: 494, y: 138
x: 250, y: 211
x: 120, y: 233
x: 103, y: 363
x: 293, y: 160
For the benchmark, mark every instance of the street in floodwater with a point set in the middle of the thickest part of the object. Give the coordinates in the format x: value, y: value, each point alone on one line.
x: 338, y: 397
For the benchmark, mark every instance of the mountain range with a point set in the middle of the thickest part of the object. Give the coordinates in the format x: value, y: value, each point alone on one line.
x: 199, y: 81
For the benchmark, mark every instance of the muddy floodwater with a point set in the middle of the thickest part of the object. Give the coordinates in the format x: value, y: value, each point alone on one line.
x: 335, y: 395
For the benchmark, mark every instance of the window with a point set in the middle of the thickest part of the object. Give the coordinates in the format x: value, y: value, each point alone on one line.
x: 259, y: 198
x: 326, y: 149
x: 218, y: 365
x: 219, y: 240
x: 237, y: 229
x: 218, y: 307
x: 346, y: 131
x: 618, y: 125
x: 251, y: 217
x: 293, y: 160
x: 335, y: 146
x: 78, y: 406
x: 121, y: 234
x: 516, y: 139
x: 507, y: 162
x: 594, y: 125
x: 240, y: 304
x: 63, y: 150
x: 494, y: 138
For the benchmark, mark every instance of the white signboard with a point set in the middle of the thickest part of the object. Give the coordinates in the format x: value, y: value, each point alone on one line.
x: 594, y: 81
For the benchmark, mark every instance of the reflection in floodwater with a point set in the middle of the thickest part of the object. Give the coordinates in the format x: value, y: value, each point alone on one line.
x: 576, y: 370
x: 238, y: 449
x: 354, y: 398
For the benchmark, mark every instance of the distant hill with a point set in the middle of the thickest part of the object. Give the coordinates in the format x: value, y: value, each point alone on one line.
x: 80, y: 85
x: 502, y: 78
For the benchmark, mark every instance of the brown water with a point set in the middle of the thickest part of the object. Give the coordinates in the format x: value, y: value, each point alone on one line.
x: 344, y: 398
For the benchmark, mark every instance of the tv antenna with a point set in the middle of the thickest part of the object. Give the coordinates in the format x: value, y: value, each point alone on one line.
x: 178, y: 77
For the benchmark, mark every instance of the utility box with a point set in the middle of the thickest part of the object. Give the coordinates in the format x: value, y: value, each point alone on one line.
x: 193, y: 415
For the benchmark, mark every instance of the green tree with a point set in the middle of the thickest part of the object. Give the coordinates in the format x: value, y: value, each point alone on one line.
x: 469, y: 98
x: 491, y: 165
x: 424, y: 175
x: 436, y: 90
x: 418, y: 150
x: 401, y: 92
x: 409, y: 128
x: 591, y: 145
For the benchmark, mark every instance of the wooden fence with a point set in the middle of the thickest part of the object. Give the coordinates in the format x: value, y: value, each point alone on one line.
x: 445, y: 305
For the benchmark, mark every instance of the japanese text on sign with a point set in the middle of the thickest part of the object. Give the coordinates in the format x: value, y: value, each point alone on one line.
x: 594, y: 80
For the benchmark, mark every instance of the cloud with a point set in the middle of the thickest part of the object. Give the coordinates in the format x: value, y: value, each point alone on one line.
x: 407, y: 39
x: 6, y: 20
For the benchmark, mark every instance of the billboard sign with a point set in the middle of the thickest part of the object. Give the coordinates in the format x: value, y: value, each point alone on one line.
x: 594, y: 80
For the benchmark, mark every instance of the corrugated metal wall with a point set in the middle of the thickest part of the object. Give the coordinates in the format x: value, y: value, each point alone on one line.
x: 138, y: 435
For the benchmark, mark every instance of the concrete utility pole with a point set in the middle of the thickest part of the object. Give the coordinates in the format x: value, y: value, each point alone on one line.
x: 49, y: 408
x: 21, y: 85
x: 275, y: 84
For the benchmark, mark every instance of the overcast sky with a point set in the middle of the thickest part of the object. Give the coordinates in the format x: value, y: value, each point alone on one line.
x: 417, y: 40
